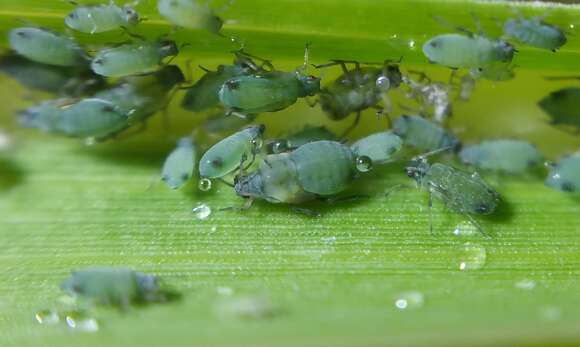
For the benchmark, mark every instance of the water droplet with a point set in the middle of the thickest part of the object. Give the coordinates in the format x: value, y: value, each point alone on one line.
x: 383, y: 83
x: 201, y: 211
x: 364, y: 163
x: 411, y: 44
x: 279, y: 146
x: 409, y: 300
x: 90, y: 141
x: 465, y: 229
x: 525, y: 284
x: 472, y: 257
x: 257, y: 143
x: 204, y: 184
x: 213, y: 229
x: 81, y: 322
x: 48, y: 317
x: 572, y: 26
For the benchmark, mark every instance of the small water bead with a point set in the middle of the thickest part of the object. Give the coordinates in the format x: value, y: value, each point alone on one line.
x: 201, y: 211
x: 464, y: 229
x: 81, y: 322
x: 472, y: 257
x: 409, y: 300
x: 47, y: 317
x: 364, y: 163
x: 257, y: 143
x: 280, y: 147
x: 412, y: 44
x: 383, y: 83
x: 204, y: 184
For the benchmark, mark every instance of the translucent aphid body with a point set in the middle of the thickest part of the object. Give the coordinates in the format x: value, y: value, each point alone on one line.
x: 304, y: 136
x: 565, y: 175
x: 423, y: 134
x: 379, y: 147
x: 562, y: 107
x: 432, y: 96
x: 179, y: 164
x: 191, y: 14
x: 507, y: 156
x: 92, y: 19
x: 535, y: 32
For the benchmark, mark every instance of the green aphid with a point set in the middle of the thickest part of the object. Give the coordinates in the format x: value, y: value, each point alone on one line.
x: 462, y: 192
x: 506, y: 156
x: 134, y: 58
x: 92, y: 19
x: 563, y: 107
x: 191, y: 14
x: 535, y: 32
x: 423, y: 134
x: 304, y: 136
x: 46, y: 47
x: 565, y: 175
x: 110, y: 286
x: 358, y: 89
x: 227, y: 155
x: 316, y: 169
x: 496, y: 72
x: 179, y: 164
x: 379, y: 147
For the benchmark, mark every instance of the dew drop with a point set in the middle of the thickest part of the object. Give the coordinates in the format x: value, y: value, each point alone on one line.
x: 47, y: 317
x: 204, y: 184
x: 525, y: 284
x: 409, y: 300
x: 383, y: 83
x: 279, y: 147
x: 411, y: 44
x: 364, y: 163
x: 201, y: 211
x: 90, y: 141
x: 81, y: 322
x: 572, y: 26
x: 472, y: 257
x: 257, y: 144
x: 465, y: 229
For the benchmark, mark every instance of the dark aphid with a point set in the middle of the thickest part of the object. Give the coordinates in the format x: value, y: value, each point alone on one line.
x: 432, y: 96
x: 507, y: 156
x: 423, y: 134
x: 358, y: 89
x: 535, y: 32
x: 132, y: 59
x: 119, y: 287
x: 565, y: 175
x: 92, y: 19
x: 462, y: 192
x: 46, y: 47
x: 191, y: 14
x: 179, y: 164
x: 379, y: 147
x: 302, y: 137
x: 563, y: 107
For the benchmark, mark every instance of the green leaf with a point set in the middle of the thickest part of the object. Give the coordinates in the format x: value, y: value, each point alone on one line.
x: 331, y: 281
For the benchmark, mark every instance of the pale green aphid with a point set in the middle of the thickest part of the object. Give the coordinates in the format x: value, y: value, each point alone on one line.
x: 227, y: 155
x: 191, y: 14
x: 119, y: 287
x: 132, y: 59
x: 304, y: 136
x: 507, y: 156
x: 495, y: 72
x: 565, y: 175
x: 379, y: 147
x: 43, y: 46
x: 535, y: 32
x: 321, y: 168
x: 562, y: 107
x: 423, y: 134
x: 179, y: 164
x: 462, y: 192
x: 92, y: 19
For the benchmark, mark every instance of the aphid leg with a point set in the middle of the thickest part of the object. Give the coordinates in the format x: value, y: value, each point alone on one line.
x: 247, y: 204
x: 305, y: 211
x: 247, y: 59
x: 352, y: 126
x: 226, y: 182
x: 342, y: 199
x: 133, y: 35
x: 235, y: 113
x: 395, y: 188
x: 74, y: 3
x: 477, y: 225
x: 203, y: 68
x: 422, y: 76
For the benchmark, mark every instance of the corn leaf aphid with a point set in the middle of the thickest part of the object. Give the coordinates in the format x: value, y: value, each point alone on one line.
x: 535, y: 32
x: 134, y: 58
x: 461, y: 192
x: 226, y: 155
x: 270, y: 91
x: 304, y: 136
x: 321, y: 168
x: 191, y: 14
x: 432, y: 96
x: 179, y: 164
x: 379, y: 147
x: 43, y: 46
x: 92, y: 19
x: 507, y: 156
x: 562, y: 107
x: 119, y: 287
x: 204, y: 93
x: 565, y: 175
x: 495, y: 72
x: 423, y: 134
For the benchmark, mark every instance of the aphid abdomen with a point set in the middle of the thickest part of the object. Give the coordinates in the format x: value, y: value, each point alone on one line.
x: 565, y: 176
x: 45, y: 47
x: 94, y: 118
x: 126, y: 60
x: 509, y: 156
x: 379, y: 147
x: 95, y: 19
x: 324, y: 167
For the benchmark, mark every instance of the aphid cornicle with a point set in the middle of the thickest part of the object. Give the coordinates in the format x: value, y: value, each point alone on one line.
x: 112, y: 286
x: 565, y: 175
x: 92, y: 19
x: 379, y: 147
x: 562, y: 107
x: 462, y: 192
x: 134, y: 58
x: 43, y: 46
x: 507, y: 156
x: 179, y: 164
x: 320, y: 168
x: 535, y: 32
x: 190, y: 14
x: 226, y: 155
x: 423, y: 134
x: 304, y: 136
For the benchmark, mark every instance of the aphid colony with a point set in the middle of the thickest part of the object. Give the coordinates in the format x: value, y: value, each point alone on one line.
x: 102, y: 94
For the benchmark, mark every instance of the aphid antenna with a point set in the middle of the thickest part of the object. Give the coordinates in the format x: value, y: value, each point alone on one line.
x: 561, y: 78
x: 247, y: 59
x: 74, y: 3
x: 395, y: 188
x: 447, y: 24
x: 221, y: 179
x: 431, y: 153
x: 133, y: 35
x: 304, y: 67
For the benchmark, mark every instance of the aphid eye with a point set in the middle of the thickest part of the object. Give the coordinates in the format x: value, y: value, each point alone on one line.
x: 482, y: 209
x: 184, y: 177
x: 232, y: 85
x: 217, y: 163
x: 164, y: 178
x: 21, y: 34
x: 434, y: 44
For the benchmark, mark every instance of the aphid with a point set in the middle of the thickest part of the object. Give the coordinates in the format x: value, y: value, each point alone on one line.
x: 112, y: 286
x: 43, y: 46
x: 563, y: 107
x: 321, y: 168
x: 535, y: 32
x: 92, y: 19
x: 226, y: 155
x: 379, y: 147
x: 179, y: 164
x: 565, y: 175
x: 423, y: 134
x: 462, y: 192
x: 134, y: 58
x: 508, y: 156
x: 50, y: 78
x: 466, y: 87
x: 304, y: 136
x: 204, y: 93
x: 267, y: 92
x: 495, y: 72
x: 430, y: 95
x: 358, y: 89
x: 190, y: 14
